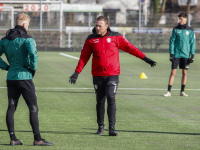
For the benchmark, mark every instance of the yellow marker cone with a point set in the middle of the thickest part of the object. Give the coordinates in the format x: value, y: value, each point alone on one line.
x: 143, y: 76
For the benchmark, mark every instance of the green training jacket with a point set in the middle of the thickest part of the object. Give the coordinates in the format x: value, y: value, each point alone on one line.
x: 20, y: 51
x: 182, y: 41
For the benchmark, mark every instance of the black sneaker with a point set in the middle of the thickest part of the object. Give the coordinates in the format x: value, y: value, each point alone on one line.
x: 17, y: 142
x: 100, y: 130
x: 42, y: 143
x: 112, y: 132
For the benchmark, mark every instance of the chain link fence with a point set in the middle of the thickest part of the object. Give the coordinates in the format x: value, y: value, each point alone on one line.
x: 51, y: 37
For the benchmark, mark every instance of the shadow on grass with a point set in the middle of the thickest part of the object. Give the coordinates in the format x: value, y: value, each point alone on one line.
x: 159, y: 132
x: 66, y: 92
x: 53, y: 132
x: 94, y: 133
x: 118, y: 93
x: 5, y: 144
x: 153, y: 132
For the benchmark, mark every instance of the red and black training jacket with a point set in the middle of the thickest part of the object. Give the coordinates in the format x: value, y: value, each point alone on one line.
x: 105, y: 50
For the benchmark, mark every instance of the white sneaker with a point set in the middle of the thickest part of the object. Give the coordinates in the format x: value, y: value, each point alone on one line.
x: 168, y: 94
x: 183, y: 94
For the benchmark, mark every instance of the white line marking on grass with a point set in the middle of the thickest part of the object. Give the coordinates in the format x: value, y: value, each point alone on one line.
x: 146, y: 89
x: 59, y: 88
x: 69, y: 56
x: 63, y: 88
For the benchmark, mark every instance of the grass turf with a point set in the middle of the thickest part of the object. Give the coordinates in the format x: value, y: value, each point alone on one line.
x: 145, y: 119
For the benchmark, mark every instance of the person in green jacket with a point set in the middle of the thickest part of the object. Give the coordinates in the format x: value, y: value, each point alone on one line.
x: 182, y: 51
x: 21, y: 53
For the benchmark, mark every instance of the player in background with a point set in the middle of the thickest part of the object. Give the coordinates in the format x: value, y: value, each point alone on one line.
x: 21, y: 53
x: 104, y: 45
x: 182, y: 51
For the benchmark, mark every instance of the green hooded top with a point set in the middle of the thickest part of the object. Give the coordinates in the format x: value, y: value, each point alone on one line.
x: 182, y: 42
x: 21, y: 53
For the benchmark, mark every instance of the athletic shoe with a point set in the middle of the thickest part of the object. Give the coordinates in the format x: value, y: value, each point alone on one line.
x: 42, y: 143
x: 183, y: 94
x: 17, y: 142
x: 168, y: 94
x: 112, y: 132
x: 100, y: 130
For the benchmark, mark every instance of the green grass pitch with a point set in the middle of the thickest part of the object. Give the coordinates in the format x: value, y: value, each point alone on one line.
x: 145, y: 119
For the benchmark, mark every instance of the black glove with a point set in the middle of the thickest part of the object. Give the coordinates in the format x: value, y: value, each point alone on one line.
x: 171, y: 58
x: 32, y: 71
x: 149, y: 61
x: 191, y: 59
x: 73, y: 78
x: 7, y: 68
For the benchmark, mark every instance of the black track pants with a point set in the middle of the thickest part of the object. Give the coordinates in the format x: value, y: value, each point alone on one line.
x: 106, y: 87
x: 25, y: 88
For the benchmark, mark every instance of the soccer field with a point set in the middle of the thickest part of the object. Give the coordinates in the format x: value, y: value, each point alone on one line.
x: 146, y: 120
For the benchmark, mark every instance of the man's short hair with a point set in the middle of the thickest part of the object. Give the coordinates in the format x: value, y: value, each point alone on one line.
x: 184, y: 15
x: 103, y: 18
x: 22, y: 17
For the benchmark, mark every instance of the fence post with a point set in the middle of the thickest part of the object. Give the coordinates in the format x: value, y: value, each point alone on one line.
x: 12, y: 17
x: 189, y: 19
x: 89, y: 21
x: 40, y: 15
x: 69, y: 39
x: 61, y: 22
x: 139, y: 25
x: 123, y: 33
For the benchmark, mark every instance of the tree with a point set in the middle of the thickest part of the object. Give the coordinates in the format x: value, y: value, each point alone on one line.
x: 188, y: 6
x: 154, y: 9
x: 162, y: 9
x: 157, y: 11
x: 156, y: 4
x: 163, y: 6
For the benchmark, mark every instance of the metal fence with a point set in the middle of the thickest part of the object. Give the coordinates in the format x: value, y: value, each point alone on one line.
x: 152, y: 42
x: 51, y: 20
x: 52, y: 36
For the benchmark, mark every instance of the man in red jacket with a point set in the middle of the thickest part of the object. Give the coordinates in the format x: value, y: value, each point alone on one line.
x: 104, y: 44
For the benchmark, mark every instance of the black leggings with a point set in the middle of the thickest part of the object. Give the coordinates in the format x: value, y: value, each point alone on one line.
x: 106, y: 87
x: 25, y: 88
